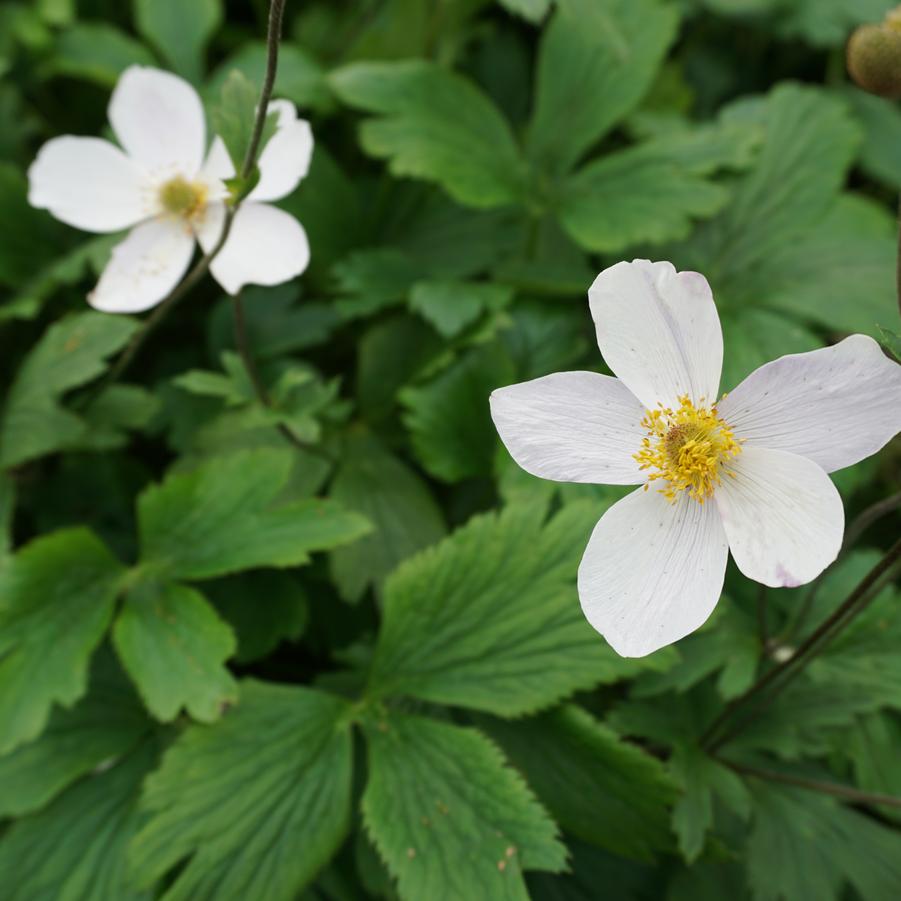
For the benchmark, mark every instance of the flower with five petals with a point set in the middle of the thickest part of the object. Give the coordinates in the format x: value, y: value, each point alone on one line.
x: 747, y: 473
x: 171, y: 194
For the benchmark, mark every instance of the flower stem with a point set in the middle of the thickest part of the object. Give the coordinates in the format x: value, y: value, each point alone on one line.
x: 715, y: 736
x: 124, y: 360
x: 836, y: 789
x: 259, y: 386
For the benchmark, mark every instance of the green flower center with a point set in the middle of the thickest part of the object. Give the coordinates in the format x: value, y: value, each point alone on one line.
x: 182, y: 197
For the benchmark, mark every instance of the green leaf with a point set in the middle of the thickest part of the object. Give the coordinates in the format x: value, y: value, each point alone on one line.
x: 75, y: 848
x: 531, y: 10
x: 436, y: 125
x: 179, y: 31
x: 653, y: 192
x: 105, y: 724
x: 449, y: 419
x: 232, y: 119
x: 56, y: 601
x: 299, y: 77
x: 489, y: 618
x: 70, y: 353
x: 261, y: 627
x: 703, y: 780
x: 254, y: 805
x: 96, y: 52
x: 598, y: 787
x: 827, y: 23
x: 224, y: 517
x: 807, y: 845
x: 405, y: 517
x: 446, y: 831
x: 7, y: 512
x: 595, y: 63
x: 450, y: 306
x: 174, y: 646
x: 880, y: 120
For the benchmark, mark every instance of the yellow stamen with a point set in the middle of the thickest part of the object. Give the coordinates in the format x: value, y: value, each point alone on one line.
x: 182, y: 197
x: 688, y: 448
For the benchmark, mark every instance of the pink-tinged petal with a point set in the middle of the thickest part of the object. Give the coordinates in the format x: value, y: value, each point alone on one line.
x: 782, y: 515
x: 572, y: 427
x: 835, y: 406
x: 90, y: 184
x: 653, y: 571
x: 158, y: 119
x: 659, y: 331
x: 266, y: 246
x: 144, y: 267
x: 285, y: 159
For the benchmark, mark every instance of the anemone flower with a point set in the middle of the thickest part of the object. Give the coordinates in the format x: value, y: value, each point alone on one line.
x: 747, y: 473
x: 162, y: 187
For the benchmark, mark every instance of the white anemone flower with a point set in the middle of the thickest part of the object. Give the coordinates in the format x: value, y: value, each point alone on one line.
x: 161, y: 187
x: 746, y: 473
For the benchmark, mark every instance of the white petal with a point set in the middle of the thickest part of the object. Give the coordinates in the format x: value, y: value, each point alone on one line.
x: 782, y: 515
x: 653, y: 571
x: 572, y: 427
x: 90, y: 184
x: 218, y: 164
x: 659, y: 331
x: 158, y: 119
x: 144, y: 267
x: 835, y: 406
x: 266, y: 246
x: 285, y: 159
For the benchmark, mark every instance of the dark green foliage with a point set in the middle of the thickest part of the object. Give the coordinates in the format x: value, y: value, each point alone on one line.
x: 322, y: 641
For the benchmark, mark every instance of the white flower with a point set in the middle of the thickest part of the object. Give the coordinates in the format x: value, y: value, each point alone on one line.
x: 160, y: 186
x: 747, y: 474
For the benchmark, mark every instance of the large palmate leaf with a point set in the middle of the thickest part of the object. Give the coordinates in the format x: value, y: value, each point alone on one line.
x: 254, y: 805
x: 174, y: 646
x: 225, y: 516
x: 435, y: 124
x: 106, y: 723
x: 489, y: 618
x: 597, y: 786
x: 75, y: 848
x: 595, y: 63
x: 71, y: 353
x: 56, y: 601
x: 449, y: 829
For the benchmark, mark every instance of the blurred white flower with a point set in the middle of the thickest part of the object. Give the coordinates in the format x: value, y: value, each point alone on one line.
x: 160, y: 186
x: 746, y: 474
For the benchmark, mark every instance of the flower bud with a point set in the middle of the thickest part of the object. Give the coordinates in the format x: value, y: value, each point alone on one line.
x: 874, y: 56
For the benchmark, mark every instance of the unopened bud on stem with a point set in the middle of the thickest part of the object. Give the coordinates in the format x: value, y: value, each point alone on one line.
x: 874, y: 56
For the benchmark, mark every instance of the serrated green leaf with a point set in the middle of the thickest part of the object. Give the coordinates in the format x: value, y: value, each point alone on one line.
x: 436, y: 125
x: 232, y: 118
x: 56, y: 601
x: 252, y: 806
x: 489, y: 618
x: 96, y: 52
x: 224, y: 517
x: 405, y: 517
x: 652, y: 192
x: 449, y: 419
x: 598, y: 787
x: 807, y: 845
x: 450, y: 306
x: 75, y: 848
x: 105, y: 724
x: 70, y: 353
x: 446, y: 831
x: 174, y: 646
x: 179, y: 31
x: 703, y: 780
x: 596, y: 61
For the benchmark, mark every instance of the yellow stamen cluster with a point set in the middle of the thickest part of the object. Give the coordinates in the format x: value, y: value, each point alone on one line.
x: 688, y: 448
x: 182, y: 197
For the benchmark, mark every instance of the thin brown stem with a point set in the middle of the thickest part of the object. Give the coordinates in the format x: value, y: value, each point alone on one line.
x: 856, y: 602
x: 849, y: 793
x: 242, y: 343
